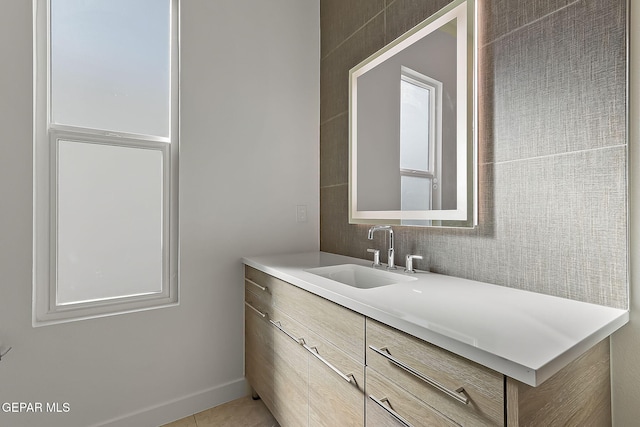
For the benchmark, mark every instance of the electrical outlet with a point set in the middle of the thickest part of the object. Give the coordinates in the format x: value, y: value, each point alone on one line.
x: 301, y: 213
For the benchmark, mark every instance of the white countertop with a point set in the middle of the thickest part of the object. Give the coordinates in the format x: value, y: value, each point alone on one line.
x: 524, y: 335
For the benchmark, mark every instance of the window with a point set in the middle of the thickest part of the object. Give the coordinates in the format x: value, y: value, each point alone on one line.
x: 105, y: 158
x: 420, y: 141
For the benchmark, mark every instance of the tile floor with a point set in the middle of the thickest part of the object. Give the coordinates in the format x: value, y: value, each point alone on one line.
x: 244, y: 412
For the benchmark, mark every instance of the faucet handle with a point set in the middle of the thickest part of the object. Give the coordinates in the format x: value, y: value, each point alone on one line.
x: 409, y: 263
x: 376, y: 257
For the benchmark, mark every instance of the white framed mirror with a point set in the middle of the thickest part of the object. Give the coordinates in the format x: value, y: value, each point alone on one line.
x: 412, y: 126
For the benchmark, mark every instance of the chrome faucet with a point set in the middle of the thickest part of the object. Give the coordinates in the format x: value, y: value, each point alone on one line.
x: 390, y: 264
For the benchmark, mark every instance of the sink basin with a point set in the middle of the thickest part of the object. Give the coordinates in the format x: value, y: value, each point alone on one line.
x: 359, y: 276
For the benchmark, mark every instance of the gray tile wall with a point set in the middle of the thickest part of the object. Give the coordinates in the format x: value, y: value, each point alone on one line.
x: 552, y: 144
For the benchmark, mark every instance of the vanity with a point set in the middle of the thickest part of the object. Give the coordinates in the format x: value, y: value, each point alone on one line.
x: 333, y: 341
x: 423, y: 349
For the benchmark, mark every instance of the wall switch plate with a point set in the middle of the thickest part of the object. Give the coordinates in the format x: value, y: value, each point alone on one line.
x: 301, y: 213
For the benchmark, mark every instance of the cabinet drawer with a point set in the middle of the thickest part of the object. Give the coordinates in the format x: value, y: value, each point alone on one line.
x: 279, y: 321
x: 256, y: 302
x: 260, y: 284
x: 386, y: 402
x: 340, y: 326
x: 336, y: 386
x: 443, y: 374
x: 273, y: 291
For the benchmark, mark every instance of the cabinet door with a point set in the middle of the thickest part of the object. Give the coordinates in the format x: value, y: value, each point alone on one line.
x: 333, y: 399
x: 258, y: 342
x: 338, y: 325
x: 276, y: 364
x: 290, y: 375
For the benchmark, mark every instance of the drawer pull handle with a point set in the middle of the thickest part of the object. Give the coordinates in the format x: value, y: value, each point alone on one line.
x: 262, y: 288
x: 314, y: 350
x: 261, y: 314
x: 278, y: 325
x: 380, y: 402
x: 454, y: 394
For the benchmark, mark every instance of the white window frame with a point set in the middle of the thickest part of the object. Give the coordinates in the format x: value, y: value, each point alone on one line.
x: 46, y: 140
x: 435, y: 133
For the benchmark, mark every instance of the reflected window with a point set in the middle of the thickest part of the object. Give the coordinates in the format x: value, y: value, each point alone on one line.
x: 420, y: 141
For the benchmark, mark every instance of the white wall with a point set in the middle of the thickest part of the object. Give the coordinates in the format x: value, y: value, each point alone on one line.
x: 250, y: 112
x: 625, y: 344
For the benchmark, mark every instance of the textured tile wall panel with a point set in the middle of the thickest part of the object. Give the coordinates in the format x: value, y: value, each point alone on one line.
x: 334, y: 68
x: 566, y: 223
x: 508, y: 15
x: 342, y: 18
x: 552, y: 174
x: 336, y: 234
x: 560, y: 83
x: 559, y: 227
x: 402, y: 15
x: 486, y: 104
x: 334, y: 151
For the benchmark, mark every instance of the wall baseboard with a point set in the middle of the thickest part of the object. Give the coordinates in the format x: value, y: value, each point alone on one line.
x: 173, y: 410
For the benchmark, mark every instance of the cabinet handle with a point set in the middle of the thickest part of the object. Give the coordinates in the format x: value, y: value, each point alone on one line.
x: 261, y: 314
x: 278, y: 325
x: 454, y: 394
x: 262, y: 288
x: 314, y: 350
x: 394, y: 414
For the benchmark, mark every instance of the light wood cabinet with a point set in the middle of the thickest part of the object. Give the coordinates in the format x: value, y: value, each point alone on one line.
x: 340, y: 326
x: 305, y: 357
x: 388, y: 404
x: 466, y: 392
x: 304, y: 354
x: 469, y: 394
x: 577, y: 396
x: 275, y: 365
x: 335, y: 396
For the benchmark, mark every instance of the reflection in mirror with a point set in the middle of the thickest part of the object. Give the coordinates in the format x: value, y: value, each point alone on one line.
x: 412, y: 139
x: 420, y: 141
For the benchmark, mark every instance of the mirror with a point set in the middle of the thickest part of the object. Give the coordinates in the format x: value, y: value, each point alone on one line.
x: 412, y: 113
